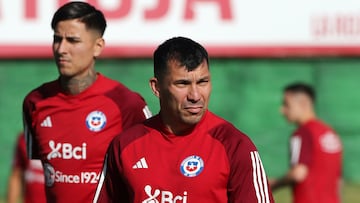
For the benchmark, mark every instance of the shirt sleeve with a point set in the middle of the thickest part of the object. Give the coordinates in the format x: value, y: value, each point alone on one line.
x: 31, y: 146
x: 134, y: 111
x: 113, y: 189
x: 248, y: 181
x: 301, y: 148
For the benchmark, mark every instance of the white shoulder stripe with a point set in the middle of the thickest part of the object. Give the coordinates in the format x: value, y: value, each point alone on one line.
x: 259, y: 178
x: 255, y: 176
x: 147, y: 112
x: 264, y: 179
x: 295, y: 146
x: 101, y: 180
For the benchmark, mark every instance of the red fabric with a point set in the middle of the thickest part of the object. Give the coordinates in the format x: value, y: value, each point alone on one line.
x: 321, y: 151
x: 71, y: 133
x: 230, y: 164
x: 34, y: 191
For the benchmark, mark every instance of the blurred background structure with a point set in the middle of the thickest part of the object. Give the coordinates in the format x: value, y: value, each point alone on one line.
x: 255, y: 51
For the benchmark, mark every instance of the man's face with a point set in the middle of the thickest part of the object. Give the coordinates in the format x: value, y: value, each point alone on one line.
x: 293, y: 106
x: 74, y: 47
x: 184, y: 95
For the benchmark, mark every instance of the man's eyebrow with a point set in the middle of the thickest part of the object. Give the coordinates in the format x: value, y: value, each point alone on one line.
x: 206, y: 77
x: 72, y: 37
x: 182, y: 81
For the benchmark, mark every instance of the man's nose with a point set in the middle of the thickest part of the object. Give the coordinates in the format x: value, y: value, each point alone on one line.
x: 194, y: 94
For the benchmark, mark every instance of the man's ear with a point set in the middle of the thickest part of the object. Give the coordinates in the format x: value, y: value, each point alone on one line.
x: 154, y: 85
x: 99, y: 46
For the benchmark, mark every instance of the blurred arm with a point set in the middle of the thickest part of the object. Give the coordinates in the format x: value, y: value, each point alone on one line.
x: 14, y: 186
x: 296, y: 174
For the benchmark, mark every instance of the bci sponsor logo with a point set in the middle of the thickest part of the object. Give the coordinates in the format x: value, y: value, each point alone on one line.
x: 158, y: 196
x: 66, y: 151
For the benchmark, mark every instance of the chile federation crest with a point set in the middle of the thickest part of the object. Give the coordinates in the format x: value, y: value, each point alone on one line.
x: 96, y: 121
x: 192, y: 166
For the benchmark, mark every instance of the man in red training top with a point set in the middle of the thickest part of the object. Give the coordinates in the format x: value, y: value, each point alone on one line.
x: 315, y: 148
x: 185, y: 154
x: 70, y: 122
x: 26, y: 180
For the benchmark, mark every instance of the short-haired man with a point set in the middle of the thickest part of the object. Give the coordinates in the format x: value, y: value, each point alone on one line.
x: 69, y: 122
x: 185, y: 153
x: 316, y: 150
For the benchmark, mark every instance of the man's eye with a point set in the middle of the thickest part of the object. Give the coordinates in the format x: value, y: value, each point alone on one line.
x: 203, y: 82
x: 73, y: 40
x: 180, y: 84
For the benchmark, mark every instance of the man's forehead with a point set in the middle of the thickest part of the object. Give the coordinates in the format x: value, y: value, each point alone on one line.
x: 183, y: 72
x: 295, y: 95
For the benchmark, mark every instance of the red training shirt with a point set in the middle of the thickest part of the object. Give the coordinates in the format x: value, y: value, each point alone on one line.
x: 318, y: 147
x: 71, y: 133
x: 214, y: 163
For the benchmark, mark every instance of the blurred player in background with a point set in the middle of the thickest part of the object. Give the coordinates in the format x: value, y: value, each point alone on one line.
x: 315, y: 149
x: 70, y: 121
x: 26, y: 180
x: 185, y: 153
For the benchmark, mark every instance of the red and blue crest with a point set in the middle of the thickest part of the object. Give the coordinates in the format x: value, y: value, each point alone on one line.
x: 192, y: 166
x: 96, y: 121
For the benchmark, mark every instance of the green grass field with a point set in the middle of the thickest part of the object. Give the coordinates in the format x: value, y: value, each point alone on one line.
x: 350, y: 192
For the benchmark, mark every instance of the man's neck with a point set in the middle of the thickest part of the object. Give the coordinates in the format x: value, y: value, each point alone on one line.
x: 77, y: 85
x: 306, y: 118
x: 176, y: 127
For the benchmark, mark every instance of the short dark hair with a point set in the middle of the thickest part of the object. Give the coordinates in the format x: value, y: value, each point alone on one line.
x: 86, y: 13
x: 181, y: 49
x: 300, y: 87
